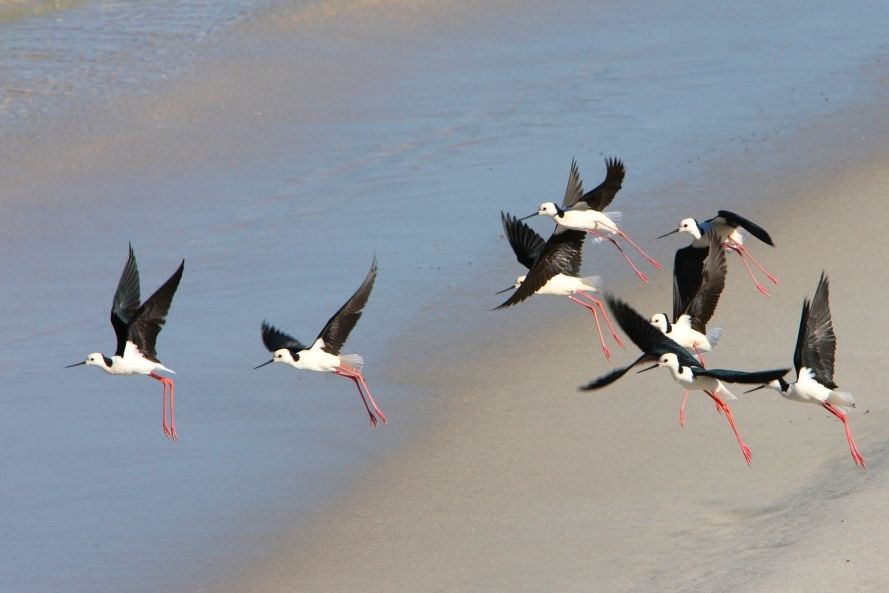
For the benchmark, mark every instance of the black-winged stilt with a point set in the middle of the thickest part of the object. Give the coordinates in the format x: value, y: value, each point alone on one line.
x: 694, y: 301
x: 324, y: 353
x: 726, y: 224
x: 684, y: 368
x: 136, y: 327
x: 813, y: 359
x: 585, y: 212
x: 554, y: 268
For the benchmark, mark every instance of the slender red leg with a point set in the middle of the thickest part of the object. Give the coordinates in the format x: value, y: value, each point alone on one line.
x: 700, y: 356
x: 369, y: 396
x: 169, y: 430
x: 743, y: 251
x: 639, y: 272
x: 605, y: 349
x: 173, y: 434
x: 351, y: 374
x: 601, y: 306
x: 745, y: 450
x: 682, y: 409
x: 701, y: 359
x: 853, y: 448
x: 759, y: 286
x: 650, y: 259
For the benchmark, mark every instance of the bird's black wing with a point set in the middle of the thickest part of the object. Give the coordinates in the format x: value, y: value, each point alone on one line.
x: 525, y: 242
x: 816, y: 343
x: 126, y: 301
x: 561, y: 255
x: 274, y: 339
x: 147, y: 322
x: 574, y: 190
x: 340, y: 325
x: 647, y: 337
x: 601, y: 196
x: 730, y: 376
x: 614, y: 375
x: 688, y: 271
x: 702, y: 306
x: 734, y: 220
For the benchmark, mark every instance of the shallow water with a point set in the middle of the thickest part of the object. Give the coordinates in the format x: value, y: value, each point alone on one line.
x: 277, y: 154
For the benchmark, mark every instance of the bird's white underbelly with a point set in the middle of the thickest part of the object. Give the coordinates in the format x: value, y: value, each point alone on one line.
x: 587, y: 220
x: 807, y: 389
x: 133, y: 366
x: 316, y: 359
x: 689, y: 338
x: 562, y: 285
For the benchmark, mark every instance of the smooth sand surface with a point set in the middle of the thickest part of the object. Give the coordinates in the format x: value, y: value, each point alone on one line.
x: 522, y: 483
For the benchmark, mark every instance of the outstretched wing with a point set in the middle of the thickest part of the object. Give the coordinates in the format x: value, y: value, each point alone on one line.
x: 730, y: 376
x: 688, y: 272
x: 126, y: 301
x: 340, y: 325
x: 614, y: 375
x: 147, y: 322
x: 735, y: 220
x: 525, y: 242
x: 647, y: 337
x: 816, y: 343
x: 702, y: 306
x: 274, y: 339
x: 574, y: 190
x: 601, y: 196
x: 561, y: 255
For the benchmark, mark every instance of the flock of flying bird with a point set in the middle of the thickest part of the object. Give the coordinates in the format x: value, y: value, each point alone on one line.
x: 698, y: 280
x: 553, y: 268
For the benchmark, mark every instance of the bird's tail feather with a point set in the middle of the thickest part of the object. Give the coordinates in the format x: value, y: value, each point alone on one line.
x: 356, y: 361
x: 713, y: 336
x: 594, y: 281
x: 841, y: 399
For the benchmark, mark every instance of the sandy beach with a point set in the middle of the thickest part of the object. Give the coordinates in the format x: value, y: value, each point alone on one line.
x: 278, y: 148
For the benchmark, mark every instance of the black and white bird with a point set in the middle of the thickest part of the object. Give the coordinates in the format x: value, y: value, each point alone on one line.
x: 694, y: 301
x: 136, y: 327
x: 684, y: 368
x: 554, y: 268
x: 692, y: 312
x: 324, y: 353
x: 813, y: 359
x: 726, y: 225
x: 585, y: 211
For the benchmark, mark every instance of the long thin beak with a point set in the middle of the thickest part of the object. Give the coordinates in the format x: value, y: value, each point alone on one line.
x: 263, y: 364
x: 529, y: 216
x: 755, y: 389
x: 76, y: 364
x: 668, y: 234
x: 504, y: 290
x: 654, y: 366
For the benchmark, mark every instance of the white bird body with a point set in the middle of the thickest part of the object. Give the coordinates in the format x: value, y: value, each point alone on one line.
x: 698, y: 230
x: 131, y: 363
x: 685, y: 377
x: 564, y: 285
x: 682, y: 333
x: 316, y: 359
x: 583, y: 219
x: 808, y: 390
